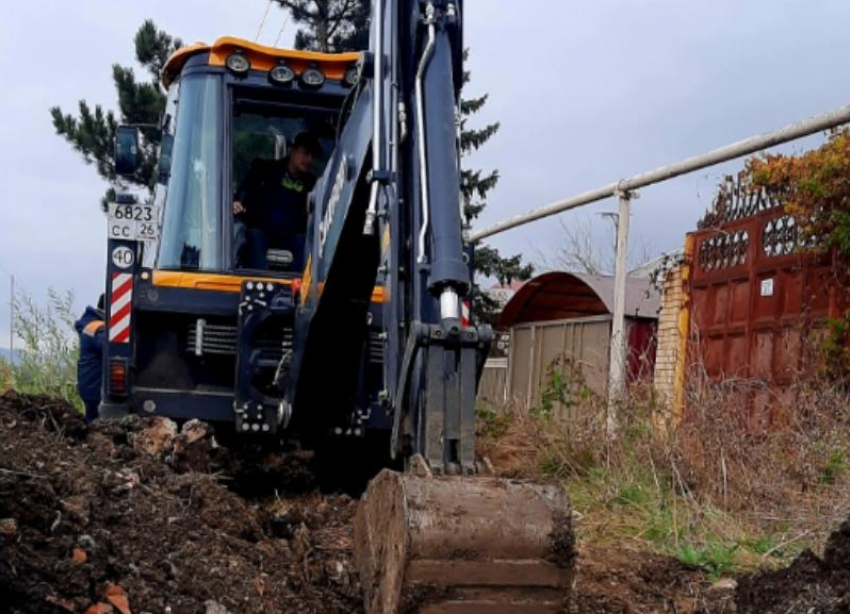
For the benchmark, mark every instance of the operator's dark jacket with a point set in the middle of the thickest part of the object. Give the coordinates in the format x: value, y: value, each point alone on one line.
x: 90, y: 366
x: 275, y: 202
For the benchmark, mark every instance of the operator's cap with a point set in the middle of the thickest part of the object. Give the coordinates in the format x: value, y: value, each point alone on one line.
x: 309, y: 142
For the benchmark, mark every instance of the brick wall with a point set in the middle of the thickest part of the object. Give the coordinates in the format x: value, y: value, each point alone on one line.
x: 669, y: 336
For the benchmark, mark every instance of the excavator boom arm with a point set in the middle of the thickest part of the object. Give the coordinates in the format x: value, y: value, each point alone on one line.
x: 388, y: 209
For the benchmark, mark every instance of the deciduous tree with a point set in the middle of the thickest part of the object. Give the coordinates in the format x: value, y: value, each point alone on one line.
x: 814, y: 187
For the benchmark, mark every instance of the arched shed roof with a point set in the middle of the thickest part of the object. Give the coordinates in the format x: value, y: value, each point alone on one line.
x: 561, y: 296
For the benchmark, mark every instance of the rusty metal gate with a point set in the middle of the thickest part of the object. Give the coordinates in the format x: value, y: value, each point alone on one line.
x: 757, y: 292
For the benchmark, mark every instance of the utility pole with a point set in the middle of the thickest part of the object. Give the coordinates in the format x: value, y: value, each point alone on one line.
x: 617, y: 358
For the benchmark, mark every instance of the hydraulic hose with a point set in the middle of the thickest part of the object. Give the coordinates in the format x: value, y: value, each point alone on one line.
x: 430, y: 14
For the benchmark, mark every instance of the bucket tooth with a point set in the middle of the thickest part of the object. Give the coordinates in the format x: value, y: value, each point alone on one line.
x: 457, y: 545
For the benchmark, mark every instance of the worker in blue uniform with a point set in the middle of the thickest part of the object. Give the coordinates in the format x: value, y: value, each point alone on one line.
x: 92, y: 330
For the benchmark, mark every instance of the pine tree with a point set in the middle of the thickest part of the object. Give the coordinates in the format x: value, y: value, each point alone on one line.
x: 92, y: 132
x: 331, y: 26
x: 475, y: 186
x: 343, y: 25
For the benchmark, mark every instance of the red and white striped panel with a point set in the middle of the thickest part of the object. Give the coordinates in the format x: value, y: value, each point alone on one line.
x: 465, y: 319
x: 120, y: 306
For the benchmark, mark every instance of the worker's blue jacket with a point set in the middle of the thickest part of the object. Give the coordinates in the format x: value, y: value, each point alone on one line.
x: 90, y: 365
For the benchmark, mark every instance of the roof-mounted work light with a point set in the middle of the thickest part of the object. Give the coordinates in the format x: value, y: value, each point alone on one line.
x: 352, y: 75
x: 281, y: 74
x: 238, y: 64
x: 313, y: 77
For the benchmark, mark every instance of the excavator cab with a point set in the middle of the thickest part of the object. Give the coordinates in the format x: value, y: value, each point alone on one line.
x: 234, y: 112
x: 273, y: 161
x: 210, y: 316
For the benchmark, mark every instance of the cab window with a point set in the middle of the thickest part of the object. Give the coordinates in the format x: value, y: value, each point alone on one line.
x: 278, y: 151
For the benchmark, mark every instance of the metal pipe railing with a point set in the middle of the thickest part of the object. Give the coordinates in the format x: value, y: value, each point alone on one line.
x: 748, y: 146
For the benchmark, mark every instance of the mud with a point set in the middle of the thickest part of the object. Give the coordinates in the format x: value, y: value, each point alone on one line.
x: 611, y: 581
x: 87, y: 515
x: 811, y: 585
x: 136, y: 516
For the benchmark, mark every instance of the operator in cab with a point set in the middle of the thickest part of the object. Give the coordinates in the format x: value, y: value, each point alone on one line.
x: 272, y: 203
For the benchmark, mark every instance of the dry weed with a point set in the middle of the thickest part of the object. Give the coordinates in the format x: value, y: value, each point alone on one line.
x: 726, y: 487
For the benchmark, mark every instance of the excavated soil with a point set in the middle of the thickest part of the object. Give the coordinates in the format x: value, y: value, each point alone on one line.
x: 127, y: 517
x: 610, y: 581
x: 811, y: 585
x: 133, y: 516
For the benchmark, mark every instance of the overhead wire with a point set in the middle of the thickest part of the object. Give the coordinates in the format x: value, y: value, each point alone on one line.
x: 263, y: 21
x: 282, y: 28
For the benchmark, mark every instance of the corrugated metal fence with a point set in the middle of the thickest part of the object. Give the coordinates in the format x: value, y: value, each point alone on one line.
x: 575, y: 349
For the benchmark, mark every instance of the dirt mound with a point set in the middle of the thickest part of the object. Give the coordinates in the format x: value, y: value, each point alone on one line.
x: 810, y: 585
x: 138, y: 516
x: 130, y: 516
x: 618, y: 581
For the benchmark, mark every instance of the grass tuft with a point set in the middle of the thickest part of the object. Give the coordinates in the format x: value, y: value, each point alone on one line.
x: 47, y: 362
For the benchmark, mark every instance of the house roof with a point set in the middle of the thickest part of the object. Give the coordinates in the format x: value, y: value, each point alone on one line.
x: 648, y: 268
x: 559, y: 296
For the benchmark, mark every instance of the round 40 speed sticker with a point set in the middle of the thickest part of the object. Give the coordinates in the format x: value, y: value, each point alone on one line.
x: 123, y: 257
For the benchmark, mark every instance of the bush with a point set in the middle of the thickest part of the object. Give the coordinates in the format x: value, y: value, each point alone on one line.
x: 718, y: 489
x: 813, y: 187
x: 492, y: 424
x: 835, y: 350
x: 47, y: 363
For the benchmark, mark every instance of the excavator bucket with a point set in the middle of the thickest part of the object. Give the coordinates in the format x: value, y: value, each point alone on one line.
x: 460, y: 545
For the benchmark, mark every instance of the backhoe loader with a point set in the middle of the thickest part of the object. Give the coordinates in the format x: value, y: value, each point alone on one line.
x: 348, y: 333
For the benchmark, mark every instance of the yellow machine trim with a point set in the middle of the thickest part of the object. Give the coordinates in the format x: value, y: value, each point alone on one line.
x: 684, y: 326
x: 175, y: 63
x: 307, y: 279
x: 225, y: 283
x: 209, y: 281
x: 385, y: 241
x: 261, y: 57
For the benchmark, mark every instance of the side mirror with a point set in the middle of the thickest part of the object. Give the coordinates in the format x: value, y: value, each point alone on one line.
x: 128, y: 153
x: 165, y: 149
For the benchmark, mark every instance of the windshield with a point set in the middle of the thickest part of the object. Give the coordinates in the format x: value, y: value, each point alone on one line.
x: 191, y: 233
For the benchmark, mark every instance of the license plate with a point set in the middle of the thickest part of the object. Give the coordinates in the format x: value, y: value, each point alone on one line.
x: 133, y: 213
x: 133, y: 222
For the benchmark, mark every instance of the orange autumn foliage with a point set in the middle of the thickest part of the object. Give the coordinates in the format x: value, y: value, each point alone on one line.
x: 814, y: 187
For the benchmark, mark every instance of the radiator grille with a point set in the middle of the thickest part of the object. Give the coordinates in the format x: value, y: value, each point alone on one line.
x: 221, y: 340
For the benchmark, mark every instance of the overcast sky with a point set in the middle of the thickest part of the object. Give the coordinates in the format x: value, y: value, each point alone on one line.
x: 587, y: 92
